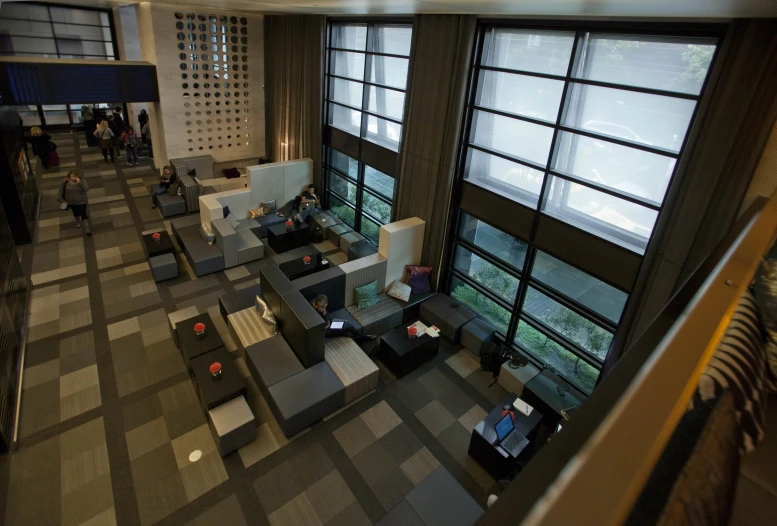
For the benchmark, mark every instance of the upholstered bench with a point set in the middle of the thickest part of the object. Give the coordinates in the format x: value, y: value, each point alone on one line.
x: 350, y: 239
x: 361, y: 250
x: 169, y: 205
x: 248, y: 327
x: 234, y: 425
x: 447, y: 314
x: 475, y: 333
x: 305, y: 398
x: 239, y: 300
x: 411, y: 309
x: 334, y: 233
x: 271, y: 361
x: 249, y: 247
x: 203, y: 258
x: 385, y: 315
x: 323, y: 221
x: 163, y: 267
x: 358, y: 373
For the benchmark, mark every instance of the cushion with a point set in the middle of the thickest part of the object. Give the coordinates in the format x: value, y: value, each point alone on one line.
x: 366, y: 295
x: 419, y: 283
x: 269, y: 207
x: 413, y: 270
x: 233, y: 222
x: 257, y: 212
x: 739, y: 365
x: 231, y: 173
x: 399, y: 290
x: 266, y: 315
x: 206, y: 233
x: 225, y: 211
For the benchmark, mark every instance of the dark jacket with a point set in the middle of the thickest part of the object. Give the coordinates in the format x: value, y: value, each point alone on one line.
x: 75, y: 193
x: 118, y: 120
x: 171, y: 180
x: 40, y: 144
x: 114, y: 128
x: 142, y: 119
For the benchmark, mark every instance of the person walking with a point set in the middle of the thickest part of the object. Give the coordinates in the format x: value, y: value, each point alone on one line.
x: 168, y: 178
x: 41, y: 144
x: 105, y: 136
x: 130, y: 140
x: 117, y: 131
x: 73, y: 192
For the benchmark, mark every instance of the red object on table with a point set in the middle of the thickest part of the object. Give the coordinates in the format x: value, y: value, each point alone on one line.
x: 412, y: 331
x: 289, y: 223
x: 199, y: 327
x: 306, y: 259
x: 156, y: 235
x: 215, y: 368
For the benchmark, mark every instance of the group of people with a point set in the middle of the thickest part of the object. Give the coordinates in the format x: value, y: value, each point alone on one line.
x: 114, y: 134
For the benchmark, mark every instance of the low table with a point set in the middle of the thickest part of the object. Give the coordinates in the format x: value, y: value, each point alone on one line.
x: 216, y: 391
x: 401, y: 354
x: 296, y: 268
x: 483, y: 446
x: 281, y: 240
x: 157, y: 248
x: 192, y: 345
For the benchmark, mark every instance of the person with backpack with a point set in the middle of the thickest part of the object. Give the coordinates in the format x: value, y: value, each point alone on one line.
x: 130, y: 140
x: 105, y: 136
x: 73, y: 194
x: 41, y: 144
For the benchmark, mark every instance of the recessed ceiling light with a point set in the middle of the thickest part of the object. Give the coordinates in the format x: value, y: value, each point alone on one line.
x: 195, y: 455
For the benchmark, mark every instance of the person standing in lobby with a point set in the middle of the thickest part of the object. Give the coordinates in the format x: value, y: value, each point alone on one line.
x: 116, y: 130
x: 105, y: 136
x: 40, y: 142
x: 73, y: 191
x: 145, y: 136
x: 130, y: 141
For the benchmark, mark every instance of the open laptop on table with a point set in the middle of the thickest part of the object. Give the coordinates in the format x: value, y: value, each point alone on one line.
x: 509, y: 438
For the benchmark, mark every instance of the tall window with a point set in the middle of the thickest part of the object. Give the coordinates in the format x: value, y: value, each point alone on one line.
x: 586, y: 128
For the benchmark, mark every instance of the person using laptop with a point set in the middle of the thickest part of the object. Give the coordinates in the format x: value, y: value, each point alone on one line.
x: 335, y: 327
x: 508, y: 437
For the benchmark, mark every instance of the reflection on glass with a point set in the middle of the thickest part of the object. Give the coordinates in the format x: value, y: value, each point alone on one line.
x: 342, y: 187
x: 344, y: 64
x: 493, y: 278
x: 622, y: 222
x: 516, y: 181
x: 346, y: 92
x: 345, y: 119
x: 639, y: 117
x: 492, y: 240
x: 579, y: 286
x: 376, y: 208
x: 386, y: 102
x: 388, y: 71
x: 533, y: 97
x: 516, y: 138
x: 528, y: 50
x: 56, y: 114
x: 646, y: 61
x: 482, y: 305
x: 568, y: 323
x: 383, y: 132
x: 571, y: 367
x: 370, y: 229
x: 351, y: 36
x: 379, y: 182
x: 345, y: 164
x: 394, y: 40
x: 625, y: 169
x: 342, y: 210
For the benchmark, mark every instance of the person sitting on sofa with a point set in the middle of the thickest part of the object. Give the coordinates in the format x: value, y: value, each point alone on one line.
x: 168, y: 178
x: 320, y: 303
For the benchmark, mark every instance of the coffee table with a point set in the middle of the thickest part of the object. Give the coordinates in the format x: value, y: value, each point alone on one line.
x: 192, y: 345
x: 401, y: 355
x: 281, y: 240
x: 216, y: 391
x: 157, y: 248
x: 297, y: 268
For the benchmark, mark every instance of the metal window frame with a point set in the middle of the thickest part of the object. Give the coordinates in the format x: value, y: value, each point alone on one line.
x: 570, y: 79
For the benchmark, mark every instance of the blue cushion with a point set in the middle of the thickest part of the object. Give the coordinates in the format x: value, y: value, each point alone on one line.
x: 366, y: 295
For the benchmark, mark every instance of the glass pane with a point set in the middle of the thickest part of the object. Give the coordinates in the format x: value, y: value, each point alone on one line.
x: 83, y: 32
x: 528, y: 50
x: 386, y: 102
x: 351, y: 36
x: 516, y: 181
x: 493, y: 278
x: 342, y: 187
x: 648, y: 62
x: 345, y: 91
x: 25, y: 11
x: 41, y: 46
x: 394, y: 40
x: 579, y: 286
x: 345, y: 164
x: 23, y: 28
x: 639, y: 117
x: 513, y: 137
x: 370, y: 229
x: 388, y: 71
x: 573, y: 368
x: 76, y: 16
x: 625, y: 169
x: 565, y: 321
x: 376, y: 208
x: 342, y: 210
x: 346, y: 64
x: 383, y: 132
x: 485, y: 307
x: 619, y: 221
x: 378, y: 181
x: 492, y: 240
x: 29, y: 115
x: 56, y: 114
x: 346, y: 119
x: 520, y: 94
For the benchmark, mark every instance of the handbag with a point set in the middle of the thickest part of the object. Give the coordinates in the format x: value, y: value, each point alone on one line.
x: 52, y: 146
x: 105, y: 142
x: 53, y: 159
x: 63, y: 205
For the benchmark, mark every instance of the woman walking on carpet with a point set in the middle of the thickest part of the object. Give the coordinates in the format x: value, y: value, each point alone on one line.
x: 105, y: 136
x: 73, y: 194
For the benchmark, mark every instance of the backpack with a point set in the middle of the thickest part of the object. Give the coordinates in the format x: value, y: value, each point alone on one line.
x: 175, y: 188
x: 492, y: 356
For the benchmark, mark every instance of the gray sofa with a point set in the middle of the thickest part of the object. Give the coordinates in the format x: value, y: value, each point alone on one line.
x: 241, y: 245
x: 201, y: 164
x: 203, y: 258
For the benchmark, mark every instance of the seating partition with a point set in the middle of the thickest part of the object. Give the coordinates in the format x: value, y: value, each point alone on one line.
x: 401, y: 243
x: 362, y: 271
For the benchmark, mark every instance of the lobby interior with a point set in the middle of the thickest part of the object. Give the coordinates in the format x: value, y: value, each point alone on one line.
x: 548, y: 193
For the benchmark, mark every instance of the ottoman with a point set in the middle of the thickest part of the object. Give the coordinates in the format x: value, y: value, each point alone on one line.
x: 336, y: 231
x: 350, y: 239
x: 447, y: 314
x: 475, y: 333
x: 361, y: 250
x: 233, y: 424
x: 163, y: 267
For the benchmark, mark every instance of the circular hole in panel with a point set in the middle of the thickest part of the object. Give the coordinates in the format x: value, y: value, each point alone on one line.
x: 179, y: 25
x: 198, y: 112
x: 203, y: 27
x: 245, y: 67
x: 223, y: 18
x: 213, y: 28
x: 207, y: 95
x: 233, y: 30
x: 181, y: 46
x: 184, y: 66
x: 234, y: 39
x: 189, y: 132
x: 214, y: 47
x: 233, y: 20
x: 204, y: 47
x: 188, y: 123
x: 190, y: 16
x: 205, y: 67
x: 191, y: 26
x: 234, y: 49
x: 204, y: 37
x: 185, y: 85
x: 244, y: 40
x: 202, y: 17
x: 193, y: 47
x: 234, y: 58
x: 190, y: 140
x: 191, y: 149
x: 193, y: 56
x: 192, y: 36
x: 195, y: 75
x: 196, y: 93
x: 188, y: 113
x: 181, y: 56
x: 186, y: 104
x: 179, y: 15
x: 205, y: 56
x: 181, y: 36
x: 195, y: 85
x: 243, y: 20
x: 243, y: 31
x: 195, y: 67
x: 213, y: 18
x: 197, y: 104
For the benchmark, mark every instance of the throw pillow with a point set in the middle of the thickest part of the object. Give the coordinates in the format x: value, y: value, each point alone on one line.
x: 231, y: 173
x: 419, y: 283
x: 399, y: 290
x: 366, y: 295
x: 257, y: 212
x: 225, y: 211
x: 232, y: 220
x: 269, y: 207
x: 266, y: 315
x: 206, y: 233
x: 412, y: 270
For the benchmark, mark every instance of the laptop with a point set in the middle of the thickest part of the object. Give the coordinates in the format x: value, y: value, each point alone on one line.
x: 509, y: 438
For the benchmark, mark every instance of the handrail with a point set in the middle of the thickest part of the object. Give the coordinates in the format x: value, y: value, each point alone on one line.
x: 593, y: 472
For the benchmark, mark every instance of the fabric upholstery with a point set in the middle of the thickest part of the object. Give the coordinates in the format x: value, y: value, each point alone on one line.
x: 238, y: 300
x: 163, y: 267
x: 358, y: 373
x: 447, y: 314
x: 234, y: 425
x: 271, y: 361
x: 363, y: 271
x: 169, y: 205
x: 475, y: 333
x: 191, y: 193
x: 274, y: 285
x: 361, y: 250
x: 249, y: 247
x: 248, y: 327
x: 349, y: 239
x: 366, y: 295
x: 330, y: 282
x: 385, y: 315
x: 203, y: 258
x: 226, y: 241
x: 303, y: 328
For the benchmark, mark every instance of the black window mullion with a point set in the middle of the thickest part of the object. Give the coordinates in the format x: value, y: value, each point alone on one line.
x: 376, y: 195
x: 528, y: 265
x: 482, y: 289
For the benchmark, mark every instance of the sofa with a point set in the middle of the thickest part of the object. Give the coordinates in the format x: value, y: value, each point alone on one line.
x: 169, y: 205
x: 201, y: 164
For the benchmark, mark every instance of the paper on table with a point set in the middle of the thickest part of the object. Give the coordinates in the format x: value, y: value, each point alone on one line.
x: 419, y: 327
x: 523, y: 407
x: 433, y: 331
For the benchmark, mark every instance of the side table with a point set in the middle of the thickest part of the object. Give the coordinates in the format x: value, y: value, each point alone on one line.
x: 192, y: 345
x: 216, y: 391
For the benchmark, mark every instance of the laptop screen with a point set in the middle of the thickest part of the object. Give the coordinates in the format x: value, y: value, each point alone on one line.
x: 504, y: 426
